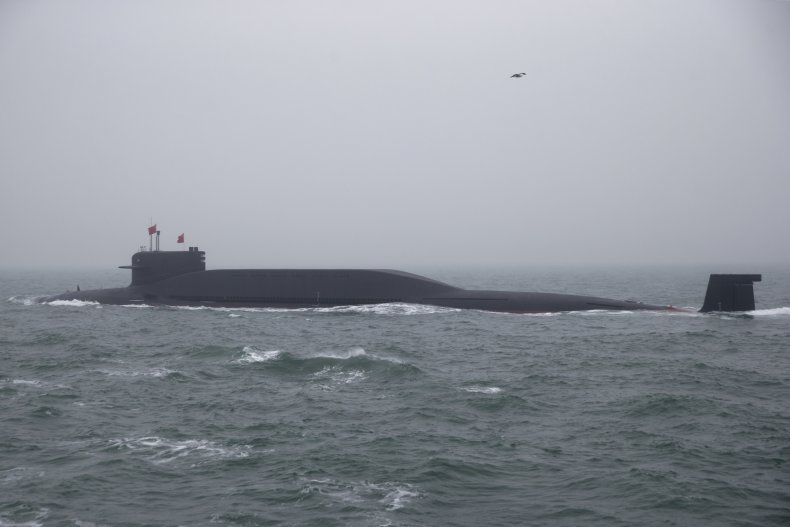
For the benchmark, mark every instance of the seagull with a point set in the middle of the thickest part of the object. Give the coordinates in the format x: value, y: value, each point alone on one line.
x: 517, y: 75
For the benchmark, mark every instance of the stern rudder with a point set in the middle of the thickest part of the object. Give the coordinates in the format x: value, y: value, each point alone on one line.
x: 730, y: 292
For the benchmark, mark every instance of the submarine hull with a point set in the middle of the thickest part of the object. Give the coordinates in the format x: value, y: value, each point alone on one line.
x: 180, y: 278
x: 328, y: 288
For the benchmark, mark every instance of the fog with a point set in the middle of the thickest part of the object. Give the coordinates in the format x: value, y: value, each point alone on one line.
x: 391, y: 134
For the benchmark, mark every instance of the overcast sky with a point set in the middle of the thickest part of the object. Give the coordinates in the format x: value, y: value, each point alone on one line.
x: 390, y: 133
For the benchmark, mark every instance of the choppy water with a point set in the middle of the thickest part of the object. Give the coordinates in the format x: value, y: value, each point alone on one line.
x: 396, y: 415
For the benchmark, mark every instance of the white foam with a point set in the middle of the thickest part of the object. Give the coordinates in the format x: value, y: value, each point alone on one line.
x: 774, y: 312
x: 17, y: 474
x: 681, y: 311
x: 339, y: 376
x: 226, y: 309
x: 25, y: 300
x: 152, y: 372
x: 35, y: 383
x: 394, y: 308
x: 391, y: 495
x: 39, y: 515
x: 81, y: 523
x: 356, y: 351
x: 23, y: 381
x: 252, y: 355
x: 375, y: 309
x: 73, y: 303
x: 159, y: 450
x: 483, y: 389
x: 398, y: 497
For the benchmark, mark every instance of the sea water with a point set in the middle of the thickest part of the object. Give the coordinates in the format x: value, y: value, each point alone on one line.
x: 396, y: 414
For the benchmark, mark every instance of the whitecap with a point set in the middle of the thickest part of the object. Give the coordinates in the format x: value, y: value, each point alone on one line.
x: 398, y: 496
x: 160, y: 450
x: 391, y: 495
x: 340, y: 376
x: 23, y: 381
x: 152, y: 372
x: 34, y: 382
x: 356, y: 351
x: 252, y: 355
x: 38, y: 516
x: 483, y: 389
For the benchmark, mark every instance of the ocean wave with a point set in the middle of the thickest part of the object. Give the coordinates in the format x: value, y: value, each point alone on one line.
x: 339, y: 376
x: 252, y: 355
x: 34, y: 383
x: 22, y: 515
x: 390, y: 496
x: 662, y: 404
x: 333, y: 369
x: 23, y: 381
x: 329, y: 369
x: 16, y: 475
x: 356, y: 351
x: 159, y: 450
x: 150, y: 372
x: 483, y: 389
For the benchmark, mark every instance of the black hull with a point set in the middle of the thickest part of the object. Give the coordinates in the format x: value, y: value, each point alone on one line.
x: 180, y: 279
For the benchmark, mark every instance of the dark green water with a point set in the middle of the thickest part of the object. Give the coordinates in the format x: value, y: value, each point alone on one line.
x: 396, y: 415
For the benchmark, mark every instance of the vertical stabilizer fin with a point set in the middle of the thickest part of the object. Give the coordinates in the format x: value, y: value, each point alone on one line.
x: 730, y: 292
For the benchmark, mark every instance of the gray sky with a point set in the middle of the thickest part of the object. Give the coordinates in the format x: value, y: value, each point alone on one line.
x: 390, y: 134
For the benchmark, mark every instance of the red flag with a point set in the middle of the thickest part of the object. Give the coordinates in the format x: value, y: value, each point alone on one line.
x: 180, y: 238
x: 152, y: 229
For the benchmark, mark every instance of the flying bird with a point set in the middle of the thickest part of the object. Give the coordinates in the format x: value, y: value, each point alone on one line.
x: 517, y: 75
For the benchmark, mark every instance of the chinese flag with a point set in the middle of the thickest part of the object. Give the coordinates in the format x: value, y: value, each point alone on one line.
x: 180, y: 238
x: 152, y: 229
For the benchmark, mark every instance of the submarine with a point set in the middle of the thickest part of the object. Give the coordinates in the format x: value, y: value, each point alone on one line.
x: 180, y: 278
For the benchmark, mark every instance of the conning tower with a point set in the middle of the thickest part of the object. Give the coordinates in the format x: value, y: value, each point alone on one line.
x: 151, y: 266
